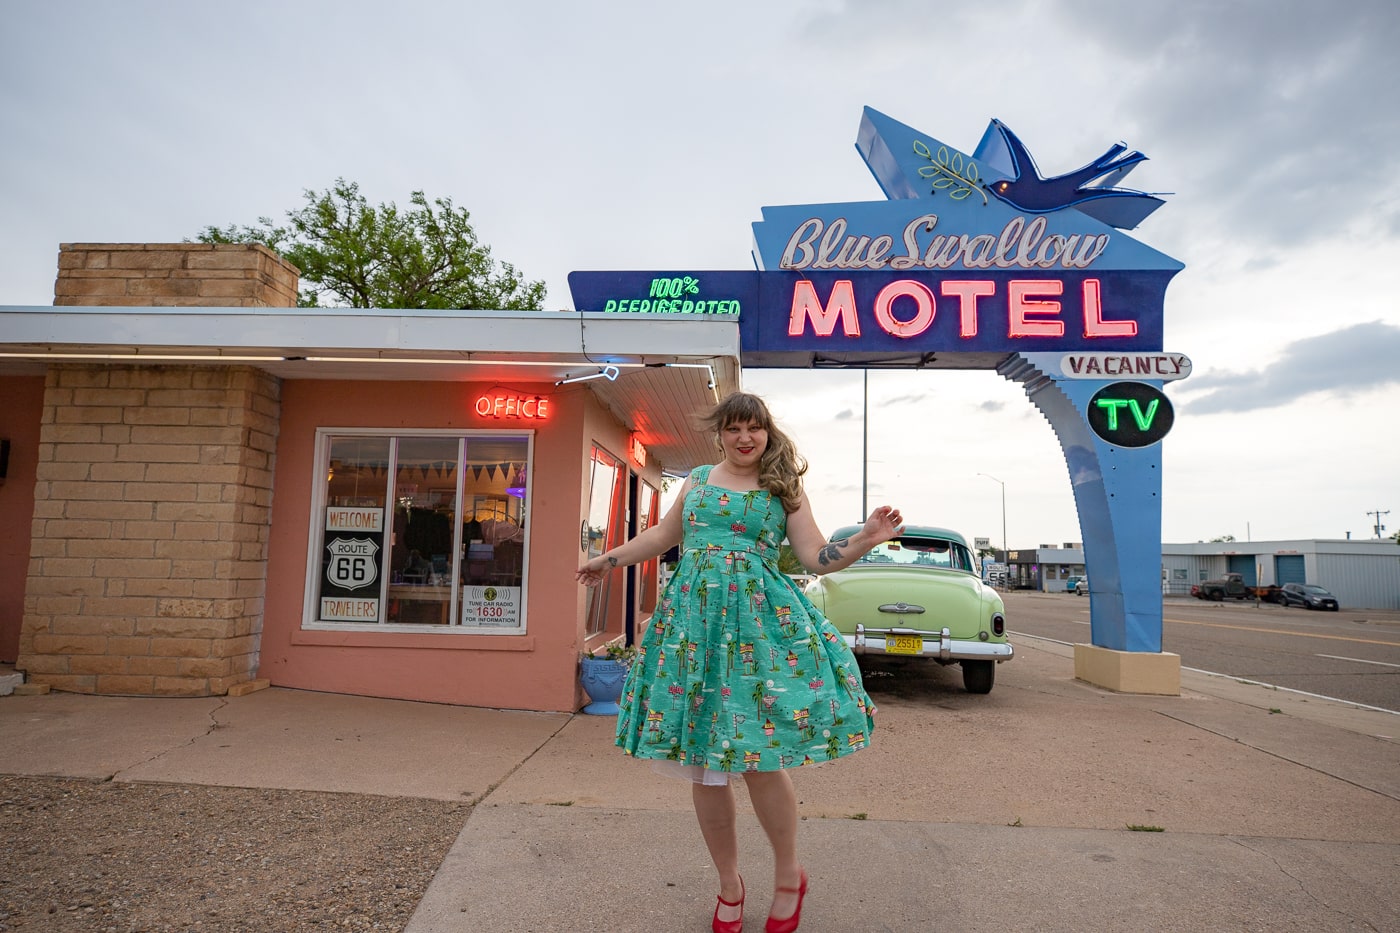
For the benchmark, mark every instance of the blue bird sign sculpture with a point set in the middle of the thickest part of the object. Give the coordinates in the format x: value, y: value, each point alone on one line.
x: 1089, y: 189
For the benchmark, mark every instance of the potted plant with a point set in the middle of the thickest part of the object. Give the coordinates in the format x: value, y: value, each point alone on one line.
x: 602, y: 677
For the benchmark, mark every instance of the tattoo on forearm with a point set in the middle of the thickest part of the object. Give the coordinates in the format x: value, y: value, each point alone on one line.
x: 832, y: 551
x: 612, y: 561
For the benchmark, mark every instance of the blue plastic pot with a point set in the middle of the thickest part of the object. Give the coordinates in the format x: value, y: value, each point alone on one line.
x: 602, y: 678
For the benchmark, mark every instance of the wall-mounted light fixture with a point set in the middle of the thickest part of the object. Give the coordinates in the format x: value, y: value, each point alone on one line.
x: 607, y: 372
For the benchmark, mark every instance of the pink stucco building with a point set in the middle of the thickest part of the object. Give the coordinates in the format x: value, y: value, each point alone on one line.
x: 209, y: 489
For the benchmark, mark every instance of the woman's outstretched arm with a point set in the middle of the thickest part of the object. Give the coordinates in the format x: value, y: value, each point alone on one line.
x: 655, y: 541
x: 821, y: 556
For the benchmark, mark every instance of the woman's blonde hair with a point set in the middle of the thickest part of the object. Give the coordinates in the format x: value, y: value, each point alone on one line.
x: 780, y: 468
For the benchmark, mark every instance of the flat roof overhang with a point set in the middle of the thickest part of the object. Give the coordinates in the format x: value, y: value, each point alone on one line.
x: 669, y: 366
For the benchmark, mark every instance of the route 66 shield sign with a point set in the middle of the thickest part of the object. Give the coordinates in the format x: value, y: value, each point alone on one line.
x: 352, y: 564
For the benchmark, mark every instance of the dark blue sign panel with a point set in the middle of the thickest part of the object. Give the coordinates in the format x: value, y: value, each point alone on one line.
x: 688, y: 292
x: 877, y: 312
x: 951, y: 313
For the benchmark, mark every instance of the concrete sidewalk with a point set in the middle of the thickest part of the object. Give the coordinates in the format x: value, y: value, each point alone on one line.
x: 1009, y: 811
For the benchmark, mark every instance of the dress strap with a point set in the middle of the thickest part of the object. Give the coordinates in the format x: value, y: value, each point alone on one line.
x: 701, y: 474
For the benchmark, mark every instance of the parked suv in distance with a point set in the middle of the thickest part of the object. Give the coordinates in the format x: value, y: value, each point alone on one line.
x: 1308, y: 596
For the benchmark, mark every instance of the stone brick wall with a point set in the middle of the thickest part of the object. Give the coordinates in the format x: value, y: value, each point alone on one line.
x: 153, y: 492
x: 174, y: 274
x: 149, y: 541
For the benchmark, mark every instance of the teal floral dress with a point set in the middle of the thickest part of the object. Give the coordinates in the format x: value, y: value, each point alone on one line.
x: 737, y: 670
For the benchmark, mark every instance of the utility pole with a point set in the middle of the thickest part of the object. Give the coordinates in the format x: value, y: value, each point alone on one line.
x: 1378, y: 526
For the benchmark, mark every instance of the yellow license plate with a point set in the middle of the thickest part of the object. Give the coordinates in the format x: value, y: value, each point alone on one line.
x: 904, y: 644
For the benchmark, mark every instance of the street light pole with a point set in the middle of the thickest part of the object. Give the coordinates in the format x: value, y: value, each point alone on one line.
x: 1003, y: 512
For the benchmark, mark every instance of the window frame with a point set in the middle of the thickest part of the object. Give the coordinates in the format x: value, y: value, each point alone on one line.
x: 316, y: 530
x: 599, y: 604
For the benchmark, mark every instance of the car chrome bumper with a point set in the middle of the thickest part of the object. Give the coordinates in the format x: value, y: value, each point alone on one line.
x: 937, y: 645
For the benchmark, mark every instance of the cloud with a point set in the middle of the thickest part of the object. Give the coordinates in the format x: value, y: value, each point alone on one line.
x: 992, y: 406
x: 1258, y: 115
x: 1260, y: 107
x: 1347, y: 361
x: 845, y: 414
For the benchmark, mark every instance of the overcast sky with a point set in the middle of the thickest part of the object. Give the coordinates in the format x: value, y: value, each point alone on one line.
x: 644, y: 135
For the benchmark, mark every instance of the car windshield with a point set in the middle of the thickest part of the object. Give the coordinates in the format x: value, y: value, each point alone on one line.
x: 921, y: 552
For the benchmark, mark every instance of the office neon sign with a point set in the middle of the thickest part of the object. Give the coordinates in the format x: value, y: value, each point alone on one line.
x: 503, y: 405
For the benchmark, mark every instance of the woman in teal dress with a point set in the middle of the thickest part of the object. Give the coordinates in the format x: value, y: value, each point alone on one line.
x: 738, y: 674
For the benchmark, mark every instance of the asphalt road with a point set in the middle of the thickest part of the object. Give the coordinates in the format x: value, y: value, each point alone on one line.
x: 1350, y: 655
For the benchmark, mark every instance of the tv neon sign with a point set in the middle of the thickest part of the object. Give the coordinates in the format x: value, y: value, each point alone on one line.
x: 1130, y: 414
x: 503, y: 405
x: 1032, y: 308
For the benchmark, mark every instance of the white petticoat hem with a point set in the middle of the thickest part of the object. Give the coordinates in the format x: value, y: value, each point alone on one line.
x: 699, y: 774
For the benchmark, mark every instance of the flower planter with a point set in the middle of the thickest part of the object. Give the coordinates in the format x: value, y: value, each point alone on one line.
x: 602, y: 678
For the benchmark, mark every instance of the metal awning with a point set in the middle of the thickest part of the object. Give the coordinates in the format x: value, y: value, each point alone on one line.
x: 668, y: 367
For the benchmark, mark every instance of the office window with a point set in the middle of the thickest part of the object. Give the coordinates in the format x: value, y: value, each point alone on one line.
x: 420, y: 531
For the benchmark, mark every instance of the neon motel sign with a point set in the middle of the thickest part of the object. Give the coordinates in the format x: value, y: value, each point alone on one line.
x: 1032, y: 308
x: 976, y: 260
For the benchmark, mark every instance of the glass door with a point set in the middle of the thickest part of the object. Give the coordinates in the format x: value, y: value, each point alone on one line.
x: 605, y: 528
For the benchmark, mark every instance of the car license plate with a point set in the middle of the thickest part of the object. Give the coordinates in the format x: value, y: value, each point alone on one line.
x: 904, y: 644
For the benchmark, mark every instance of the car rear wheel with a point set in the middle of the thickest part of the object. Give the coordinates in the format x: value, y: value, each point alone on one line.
x: 978, y: 676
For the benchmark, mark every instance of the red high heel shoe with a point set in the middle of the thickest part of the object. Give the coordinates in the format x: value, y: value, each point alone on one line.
x: 788, y: 924
x: 730, y: 926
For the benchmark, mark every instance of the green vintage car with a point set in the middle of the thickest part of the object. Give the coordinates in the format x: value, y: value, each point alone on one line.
x: 918, y: 596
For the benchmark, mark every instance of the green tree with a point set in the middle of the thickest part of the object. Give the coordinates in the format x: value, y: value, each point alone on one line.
x: 352, y: 254
x: 788, y: 561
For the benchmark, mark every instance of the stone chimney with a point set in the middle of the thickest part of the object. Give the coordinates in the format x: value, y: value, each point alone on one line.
x: 153, y: 498
x: 162, y: 275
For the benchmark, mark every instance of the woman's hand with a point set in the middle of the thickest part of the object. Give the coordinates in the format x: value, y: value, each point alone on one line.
x: 883, y: 524
x: 593, y: 571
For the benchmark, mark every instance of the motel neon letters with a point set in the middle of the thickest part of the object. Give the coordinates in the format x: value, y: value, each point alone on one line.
x: 1033, y: 308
